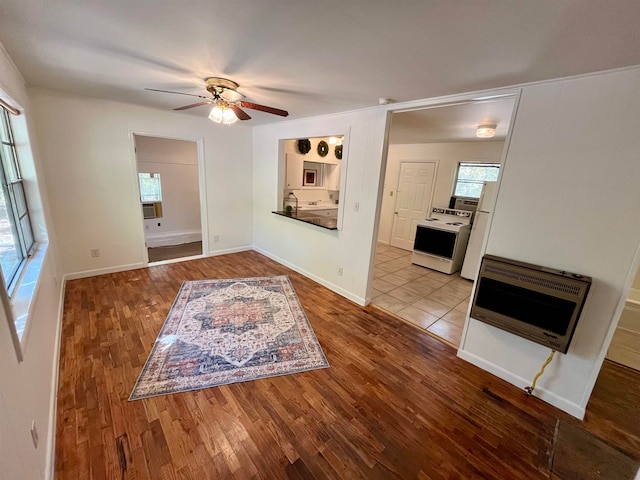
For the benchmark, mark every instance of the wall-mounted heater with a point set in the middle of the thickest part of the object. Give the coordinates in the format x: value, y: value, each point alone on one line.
x: 534, y: 302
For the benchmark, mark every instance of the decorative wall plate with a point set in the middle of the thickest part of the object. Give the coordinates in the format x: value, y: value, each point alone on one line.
x: 338, y: 152
x: 323, y: 148
x: 304, y: 145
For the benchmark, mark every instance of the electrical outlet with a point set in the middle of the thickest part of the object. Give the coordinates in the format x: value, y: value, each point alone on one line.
x: 95, y: 252
x: 34, y: 433
x: 340, y: 271
x: 356, y: 207
x: 216, y: 238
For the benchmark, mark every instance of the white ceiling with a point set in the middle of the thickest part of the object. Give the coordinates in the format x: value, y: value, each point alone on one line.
x: 312, y: 57
x: 454, y: 123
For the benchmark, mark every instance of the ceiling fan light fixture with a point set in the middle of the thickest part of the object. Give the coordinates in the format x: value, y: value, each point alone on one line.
x: 226, y: 100
x: 222, y: 114
x: 229, y: 116
x: 486, y: 131
x: 216, y: 114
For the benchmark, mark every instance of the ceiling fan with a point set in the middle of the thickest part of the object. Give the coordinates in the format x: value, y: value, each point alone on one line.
x: 226, y: 110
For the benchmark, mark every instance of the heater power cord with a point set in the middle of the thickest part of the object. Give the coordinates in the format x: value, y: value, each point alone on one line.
x: 529, y: 390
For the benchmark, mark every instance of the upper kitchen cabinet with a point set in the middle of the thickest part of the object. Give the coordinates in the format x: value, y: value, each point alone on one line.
x: 294, y: 171
x: 332, y: 177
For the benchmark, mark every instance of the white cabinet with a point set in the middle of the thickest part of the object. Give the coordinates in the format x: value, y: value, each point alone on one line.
x: 294, y: 170
x: 332, y: 180
x: 324, y: 212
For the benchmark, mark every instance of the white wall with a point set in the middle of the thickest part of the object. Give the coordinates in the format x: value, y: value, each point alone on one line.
x: 177, y: 163
x: 447, y: 156
x: 312, y: 250
x: 569, y: 200
x: 91, y: 173
x: 27, y: 389
x: 573, y: 157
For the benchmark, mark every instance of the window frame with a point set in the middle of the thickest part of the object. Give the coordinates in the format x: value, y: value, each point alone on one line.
x: 457, y: 179
x: 17, y: 297
x: 12, y: 183
x: 158, y: 180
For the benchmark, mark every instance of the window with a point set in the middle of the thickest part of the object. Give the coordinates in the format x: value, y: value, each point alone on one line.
x: 150, y: 187
x: 471, y: 177
x: 16, y: 235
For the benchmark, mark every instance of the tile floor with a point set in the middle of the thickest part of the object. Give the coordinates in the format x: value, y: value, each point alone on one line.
x: 432, y: 300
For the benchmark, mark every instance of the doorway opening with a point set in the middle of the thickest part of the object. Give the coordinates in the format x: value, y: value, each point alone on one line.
x: 431, y: 151
x: 168, y: 179
x: 624, y: 348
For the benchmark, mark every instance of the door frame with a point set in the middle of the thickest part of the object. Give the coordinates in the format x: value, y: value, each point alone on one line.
x: 202, y: 192
x: 430, y: 201
x: 437, y: 102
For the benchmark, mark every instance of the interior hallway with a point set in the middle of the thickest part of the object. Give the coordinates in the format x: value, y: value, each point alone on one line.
x: 434, y: 301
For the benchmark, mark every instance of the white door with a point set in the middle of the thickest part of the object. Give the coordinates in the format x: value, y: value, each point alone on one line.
x: 413, y: 196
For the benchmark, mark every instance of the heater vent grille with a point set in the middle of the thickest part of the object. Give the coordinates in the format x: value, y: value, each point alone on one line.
x: 533, y: 279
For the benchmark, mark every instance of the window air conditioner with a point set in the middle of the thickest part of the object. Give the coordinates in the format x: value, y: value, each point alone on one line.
x: 148, y: 210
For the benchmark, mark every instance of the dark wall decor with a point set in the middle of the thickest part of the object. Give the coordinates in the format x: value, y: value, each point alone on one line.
x: 323, y: 148
x: 338, y: 152
x: 304, y: 145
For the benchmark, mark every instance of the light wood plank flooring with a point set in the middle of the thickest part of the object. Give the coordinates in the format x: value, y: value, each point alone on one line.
x: 395, y: 403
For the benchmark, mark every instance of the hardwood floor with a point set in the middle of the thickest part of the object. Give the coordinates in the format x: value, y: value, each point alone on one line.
x: 395, y: 403
x: 170, y: 252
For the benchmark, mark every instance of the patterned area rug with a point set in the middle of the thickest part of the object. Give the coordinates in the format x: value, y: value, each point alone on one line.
x: 226, y: 331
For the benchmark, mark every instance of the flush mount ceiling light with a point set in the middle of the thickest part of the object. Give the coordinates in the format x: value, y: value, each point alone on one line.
x: 486, y: 130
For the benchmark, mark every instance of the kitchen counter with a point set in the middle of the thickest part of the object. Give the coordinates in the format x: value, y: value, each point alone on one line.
x: 330, y: 223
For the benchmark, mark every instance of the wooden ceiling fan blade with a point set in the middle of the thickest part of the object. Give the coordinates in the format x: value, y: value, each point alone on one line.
x: 177, y: 93
x: 263, y: 108
x: 206, y: 102
x: 241, y: 114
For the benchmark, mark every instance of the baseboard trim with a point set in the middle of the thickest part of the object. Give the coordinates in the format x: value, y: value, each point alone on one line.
x: 173, y: 238
x: 520, y: 382
x: 50, y: 458
x: 101, y: 271
x: 134, y: 266
x: 339, y: 290
x: 227, y: 251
